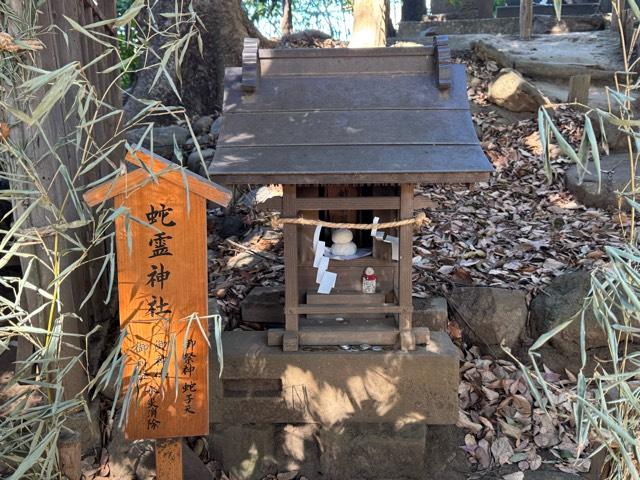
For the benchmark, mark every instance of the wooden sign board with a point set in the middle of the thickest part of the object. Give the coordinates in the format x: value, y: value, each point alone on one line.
x: 162, y: 286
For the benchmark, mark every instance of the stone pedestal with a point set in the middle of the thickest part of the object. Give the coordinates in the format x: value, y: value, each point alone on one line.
x: 329, y: 413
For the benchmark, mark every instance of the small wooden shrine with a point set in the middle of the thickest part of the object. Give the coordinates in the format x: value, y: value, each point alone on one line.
x: 348, y: 133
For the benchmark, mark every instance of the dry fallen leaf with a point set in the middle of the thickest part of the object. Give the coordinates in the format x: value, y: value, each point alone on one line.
x: 4, y: 131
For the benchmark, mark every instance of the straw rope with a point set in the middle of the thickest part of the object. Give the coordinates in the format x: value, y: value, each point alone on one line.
x: 418, y: 220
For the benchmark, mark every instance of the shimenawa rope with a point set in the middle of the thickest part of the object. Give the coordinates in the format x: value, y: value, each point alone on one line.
x: 418, y: 220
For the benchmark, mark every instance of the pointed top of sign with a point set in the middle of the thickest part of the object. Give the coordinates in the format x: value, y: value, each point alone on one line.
x: 153, y: 166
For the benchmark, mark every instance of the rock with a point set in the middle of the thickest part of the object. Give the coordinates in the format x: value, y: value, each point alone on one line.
x: 560, y: 301
x: 490, y: 315
x: 129, y: 460
x: 615, y: 175
x: 543, y: 24
x: 555, y: 57
x: 195, y: 164
x: 215, y: 128
x: 512, y: 91
x: 163, y: 138
x: 231, y: 226
x: 202, y: 124
x: 430, y: 312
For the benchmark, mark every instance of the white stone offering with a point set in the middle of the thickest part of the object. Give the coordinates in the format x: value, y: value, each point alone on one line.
x: 342, y: 244
x: 341, y: 235
x: 344, y: 249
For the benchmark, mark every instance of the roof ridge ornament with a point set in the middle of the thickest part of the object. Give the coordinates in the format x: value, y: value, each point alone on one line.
x: 250, y: 64
x: 442, y: 58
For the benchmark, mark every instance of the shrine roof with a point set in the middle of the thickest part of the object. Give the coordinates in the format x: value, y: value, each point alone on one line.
x: 315, y: 116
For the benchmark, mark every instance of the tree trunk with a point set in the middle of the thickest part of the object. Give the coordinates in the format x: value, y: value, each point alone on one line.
x: 413, y: 10
x: 286, y: 24
x: 526, y: 19
x: 226, y: 25
x: 369, y: 24
x: 391, y: 31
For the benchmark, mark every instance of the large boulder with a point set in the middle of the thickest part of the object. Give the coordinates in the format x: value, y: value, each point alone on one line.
x: 614, y: 177
x: 163, y: 139
x: 490, y: 316
x: 512, y: 91
x: 563, y: 300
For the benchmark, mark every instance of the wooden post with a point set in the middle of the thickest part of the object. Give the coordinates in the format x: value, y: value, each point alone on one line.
x: 291, y: 295
x: 169, y: 459
x: 69, y: 454
x: 407, y: 338
x: 526, y: 19
x: 579, y: 89
x: 162, y: 290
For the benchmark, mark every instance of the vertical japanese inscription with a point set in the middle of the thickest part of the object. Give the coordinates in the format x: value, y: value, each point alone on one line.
x: 162, y: 283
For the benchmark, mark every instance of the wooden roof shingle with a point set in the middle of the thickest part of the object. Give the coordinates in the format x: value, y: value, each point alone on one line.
x: 314, y: 116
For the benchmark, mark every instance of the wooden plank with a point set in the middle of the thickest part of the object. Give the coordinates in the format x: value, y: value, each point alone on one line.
x: 169, y: 459
x: 319, y: 337
x: 357, y: 65
x: 305, y: 53
x: 346, y: 309
x: 290, y: 232
x: 355, y: 203
x: 349, y: 92
x: 163, y: 168
x: 368, y: 127
x: 158, y: 293
x: 122, y: 185
x: 351, y: 164
x: 352, y: 298
x: 338, y: 298
x: 407, y: 340
x: 197, y: 184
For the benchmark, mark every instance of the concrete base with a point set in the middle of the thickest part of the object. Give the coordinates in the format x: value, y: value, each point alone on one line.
x: 334, y: 414
x: 330, y: 386
x: 353, y: 451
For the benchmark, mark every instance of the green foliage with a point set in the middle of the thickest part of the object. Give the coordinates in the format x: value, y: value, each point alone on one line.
x: 330, y: 16
x: 54, y: 234
x: 607, y: 401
